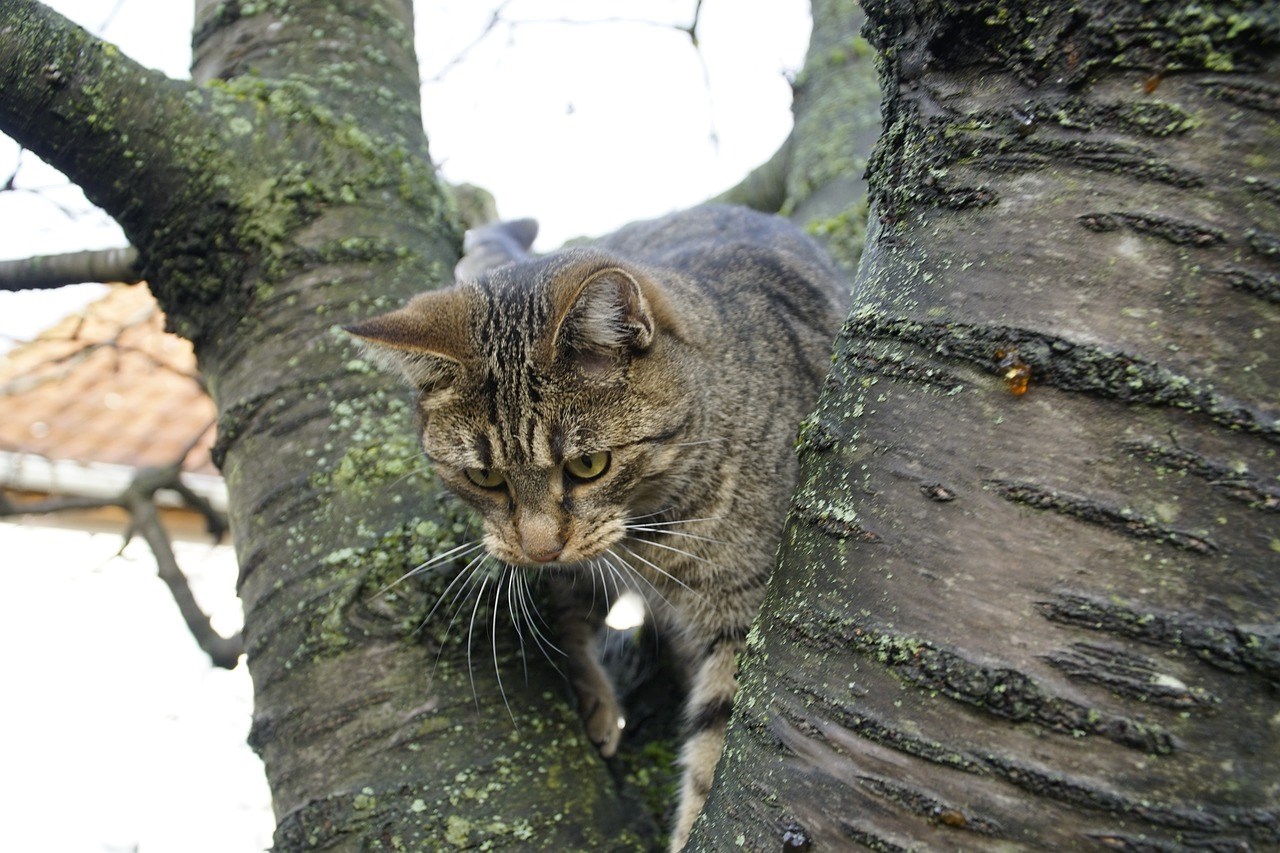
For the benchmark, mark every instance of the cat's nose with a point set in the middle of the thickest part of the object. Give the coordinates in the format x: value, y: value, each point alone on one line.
x: 543, y: 555
x: 541, y: 539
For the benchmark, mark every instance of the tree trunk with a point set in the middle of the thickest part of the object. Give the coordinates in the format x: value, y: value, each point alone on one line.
x: 287, y: 192
x: 1028, y: 590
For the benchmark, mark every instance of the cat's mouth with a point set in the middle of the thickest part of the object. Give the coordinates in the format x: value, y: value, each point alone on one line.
x: 570, y: 556
x: 577, y: 546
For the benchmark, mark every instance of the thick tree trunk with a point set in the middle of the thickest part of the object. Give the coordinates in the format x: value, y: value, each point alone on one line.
x: 287, y: 193
x: 1028, y: 592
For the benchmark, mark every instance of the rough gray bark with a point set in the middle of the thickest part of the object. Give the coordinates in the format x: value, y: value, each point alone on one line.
x: 1028, y: 592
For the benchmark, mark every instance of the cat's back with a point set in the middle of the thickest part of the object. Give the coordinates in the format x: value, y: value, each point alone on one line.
x: 741, y: 257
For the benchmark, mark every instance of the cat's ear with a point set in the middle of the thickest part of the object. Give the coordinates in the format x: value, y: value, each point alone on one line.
x: 607, y: 316
x: 426, y: 341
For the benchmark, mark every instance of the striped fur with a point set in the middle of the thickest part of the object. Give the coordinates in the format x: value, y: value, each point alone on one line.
x: 683, y: 352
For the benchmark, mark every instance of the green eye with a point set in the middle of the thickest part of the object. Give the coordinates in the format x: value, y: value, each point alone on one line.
x: 588, y: 466
x: 484, y: 478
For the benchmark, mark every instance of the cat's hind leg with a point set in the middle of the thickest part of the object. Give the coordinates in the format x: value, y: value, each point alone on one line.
x: 707, y: 710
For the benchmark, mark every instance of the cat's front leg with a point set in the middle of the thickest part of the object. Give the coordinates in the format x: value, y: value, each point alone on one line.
x: 578, y: 623
x: 712, y: 689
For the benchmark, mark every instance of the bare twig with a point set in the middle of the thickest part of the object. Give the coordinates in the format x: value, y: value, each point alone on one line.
x: 138, y: 499
x: 214, y: 521
x: 10, y: 183
x: 494, y: 20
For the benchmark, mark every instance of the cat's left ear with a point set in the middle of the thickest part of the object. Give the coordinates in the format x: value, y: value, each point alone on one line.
x: 608, y: 316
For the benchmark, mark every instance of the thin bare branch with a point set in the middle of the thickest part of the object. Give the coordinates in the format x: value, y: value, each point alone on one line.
x: 8, y: 508
x: 138, y: 499
x: 45, y: 272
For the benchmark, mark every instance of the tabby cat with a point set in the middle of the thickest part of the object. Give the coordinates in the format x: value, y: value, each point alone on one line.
x: 629, y: 407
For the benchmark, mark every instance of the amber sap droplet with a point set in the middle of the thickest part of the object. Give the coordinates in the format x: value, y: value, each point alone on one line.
x: 1016, y: 372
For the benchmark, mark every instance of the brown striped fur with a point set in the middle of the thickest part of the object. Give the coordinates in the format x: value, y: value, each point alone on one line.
x: 687, y: 349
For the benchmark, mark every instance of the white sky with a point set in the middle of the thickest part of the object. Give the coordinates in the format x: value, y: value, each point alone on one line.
x: 584, y: 127
x: 109, y: 704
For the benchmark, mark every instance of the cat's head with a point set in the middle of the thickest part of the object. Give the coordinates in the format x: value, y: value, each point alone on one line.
x: 551, y: 399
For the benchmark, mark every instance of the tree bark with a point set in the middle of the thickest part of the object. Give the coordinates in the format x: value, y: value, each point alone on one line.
x: 285, y: 193
x: 1028, y: 592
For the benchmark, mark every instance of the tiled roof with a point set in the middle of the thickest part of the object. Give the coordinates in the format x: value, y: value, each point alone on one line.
x: 107, y: 385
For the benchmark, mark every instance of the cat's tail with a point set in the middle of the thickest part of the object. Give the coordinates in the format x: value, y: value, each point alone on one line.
x: 494, y: 245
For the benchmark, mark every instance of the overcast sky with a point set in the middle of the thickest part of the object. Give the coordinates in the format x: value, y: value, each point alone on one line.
x: 583, y: 126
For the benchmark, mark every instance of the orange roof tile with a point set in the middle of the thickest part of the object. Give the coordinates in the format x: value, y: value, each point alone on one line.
x: 107, y: 385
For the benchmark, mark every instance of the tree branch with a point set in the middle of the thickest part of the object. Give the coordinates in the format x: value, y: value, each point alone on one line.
x: 765, y: 188
x: 45, y: 272
x: 56, y: 75
x: 139, y: 500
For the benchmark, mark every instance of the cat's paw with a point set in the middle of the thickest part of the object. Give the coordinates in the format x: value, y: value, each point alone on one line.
x: 602, y: 716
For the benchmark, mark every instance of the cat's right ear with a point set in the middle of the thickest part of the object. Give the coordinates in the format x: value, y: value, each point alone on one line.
x: 426, y: 341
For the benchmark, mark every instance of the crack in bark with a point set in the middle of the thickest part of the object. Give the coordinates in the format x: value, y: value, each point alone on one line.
x: 1066, y: 365
x: 240, y: 419
x: 869, y: 839
x: 866, y: 726
x: 1120, y: 520
x: 1233, y: 648
x: 1260, y: 284
x: 1172, y: 230
x: 1233, y: 484
x: 999, y: 691
x: 1256, y: 825
x: 935, y: 810
x: 1254, y: 94
x: 1263, y: 243
x: 1259, y: 824
x: 833, y: 520
x: 1129, y: 675
x: 1004, y: 154
x: 896, y: 366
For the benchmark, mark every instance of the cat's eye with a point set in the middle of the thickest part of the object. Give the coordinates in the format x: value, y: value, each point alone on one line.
x: 588, y: 466
x: 484, y: 477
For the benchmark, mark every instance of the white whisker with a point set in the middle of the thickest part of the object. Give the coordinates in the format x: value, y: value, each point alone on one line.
x: 467, y: 576
x: 471, y: 627
x: 532, y: 616
x: 667, y: 547
x: 514, y: 613
x: 627, y: 521
x: 493, y: 638
x: 453, y: 554
x: 659, y: 569
x: 698, y: 442
x: 646, y: 528
x: 639, y: 575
